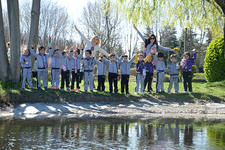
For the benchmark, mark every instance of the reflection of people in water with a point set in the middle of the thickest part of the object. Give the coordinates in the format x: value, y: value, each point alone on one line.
x: 176, y: 134
x: 188, y: 135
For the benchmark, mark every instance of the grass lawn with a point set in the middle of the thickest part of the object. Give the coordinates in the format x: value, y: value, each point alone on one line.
x: 202, y: 91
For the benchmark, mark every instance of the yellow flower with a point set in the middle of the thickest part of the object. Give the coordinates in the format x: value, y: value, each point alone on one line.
x: 176, y: 49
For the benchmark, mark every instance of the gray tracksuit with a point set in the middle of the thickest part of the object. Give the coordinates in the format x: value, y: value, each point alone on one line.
x: 42, y: 70
x: 75, y: 61
x: 88, y: 73
x: 161, y: 70
x: 101, y: 67
x: 26, y: 70
x: 125, y: 66
x: 55, y: 67
x: 174, y: 75
x: 65, y: 60
x: 113, y: 66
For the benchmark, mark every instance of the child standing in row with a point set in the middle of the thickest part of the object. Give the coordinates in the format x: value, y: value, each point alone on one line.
x: 26, y: 69
x: 141, y: 71
x: 65, y: 71
x: 125, y: 72
x: 186, y: 65
x: 42, y: 64
x: 113, y: 70
x: 161, y: 70
x: 55, y: 67
x: 173, y: 69
x: 88, y: 66
x: 75, y: 57
x: 101, y: 73
x: 149, y: 74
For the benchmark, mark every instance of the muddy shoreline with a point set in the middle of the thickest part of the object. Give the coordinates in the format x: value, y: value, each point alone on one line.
x: 142, y: 108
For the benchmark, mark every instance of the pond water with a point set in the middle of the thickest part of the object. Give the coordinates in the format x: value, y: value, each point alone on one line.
x: 111, y: 133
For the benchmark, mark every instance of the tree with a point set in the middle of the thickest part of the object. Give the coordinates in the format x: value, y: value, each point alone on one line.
x: 200, y: 13
x: 35, y: 13
x: 15, y: 41
x: 4, y: 64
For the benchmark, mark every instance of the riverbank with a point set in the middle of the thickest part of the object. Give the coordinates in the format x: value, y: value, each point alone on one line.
x: 207, y: 99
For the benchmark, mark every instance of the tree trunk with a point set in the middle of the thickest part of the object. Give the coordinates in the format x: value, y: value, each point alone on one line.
x: 9, y: 16
x: 35, y: 13
x: 15, y: 41
x: 185, y: 40
x: 4, y: 64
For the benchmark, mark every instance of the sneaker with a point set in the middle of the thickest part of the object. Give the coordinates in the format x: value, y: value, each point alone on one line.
x: 151, y: 89
x: 142, y: 92
x: 62, y: 89
x: 122, y: 92
x: 185, y: 91
x: 78, y: 90
x: 116, y: 90
x: 72, y: 90
x: 53, y: 87
x: 190, y: 92
x: 163, y: 92
x: 148, y: 92
x: 136, y: 93
x: 39, y: 88
x: 168, y: 91
x: 92, y: 91
x: 45, y: 88
x: 68, y: 89
x: 22, y: 88
x: 56, y: 88
x: 85, y: 90
x: 176, y: 92
x: 128, y: 93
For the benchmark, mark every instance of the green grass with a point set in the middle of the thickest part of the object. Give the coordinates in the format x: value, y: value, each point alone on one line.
x: 202, y: 91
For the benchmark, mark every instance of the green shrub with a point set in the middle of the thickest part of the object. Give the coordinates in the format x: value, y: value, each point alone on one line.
x: 214, y: 66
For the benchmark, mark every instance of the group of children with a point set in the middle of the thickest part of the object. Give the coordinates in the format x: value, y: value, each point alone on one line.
x: 73, y: 61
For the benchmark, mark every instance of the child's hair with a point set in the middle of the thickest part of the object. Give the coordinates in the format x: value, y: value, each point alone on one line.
x: 55, y: 51
x: 111, y: 55
x: 140, y: 55
x: 173, y: 56
x: 35, y: 58
x: 151, y: 57
x: 42, y: 47
x: 64, y: 52
x: 89, y: 51
x: 78, y: 51
x: 27, y: 50
x: 100, y: 59
x: 125, y: 56
x: 160, y: 54
x: 104, y: 55
x: 187, y: 53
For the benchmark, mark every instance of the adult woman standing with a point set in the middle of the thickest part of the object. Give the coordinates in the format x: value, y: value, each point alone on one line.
x: 93, y: 44
x: 151, y: 43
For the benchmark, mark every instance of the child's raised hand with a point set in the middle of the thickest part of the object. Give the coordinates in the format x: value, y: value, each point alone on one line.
x: 32, y: 46
x: 173, y: 50
x: 137, y: 51
x: 56, y: 47
x: 71, y: 49
x: 50, y: 46
x: 135, y: 27
x: 123, y: 54
x: 193, y: 50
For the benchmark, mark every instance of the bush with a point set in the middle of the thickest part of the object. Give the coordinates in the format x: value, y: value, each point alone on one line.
x: 214, y: 66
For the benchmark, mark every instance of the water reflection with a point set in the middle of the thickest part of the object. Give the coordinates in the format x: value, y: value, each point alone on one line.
x: 110, y: 134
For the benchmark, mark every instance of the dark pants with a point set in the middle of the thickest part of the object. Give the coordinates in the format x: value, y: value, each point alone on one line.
x: 125, y: 81
x: 101, y: 82
x: 65, y: 76
x: 187, y: 79
x: 112, y: 78
x: 81, y: 76
x: 148, y: 80
x: 34, y: 75
x: 75, y: 76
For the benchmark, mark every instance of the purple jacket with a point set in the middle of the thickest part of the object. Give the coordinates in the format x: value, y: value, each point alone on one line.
x: 188, y: 63
x: 149, y: 67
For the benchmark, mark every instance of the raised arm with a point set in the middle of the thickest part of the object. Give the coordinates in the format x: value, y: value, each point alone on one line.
x: 147, y: 57
x: 106, y: 61
x: 164, y: 48
x: 81, y: 54
x: 132, y: 59
x: 50, y: 53
x: 194, y: 55
x: 142, y: 37
x: 82, y: 36
x: 102, y: 51
x: 60, y: 55
x: 95, y: 61
x: 33, y: 53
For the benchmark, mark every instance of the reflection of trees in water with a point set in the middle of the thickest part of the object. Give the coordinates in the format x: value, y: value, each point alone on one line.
x: 216, y: 134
